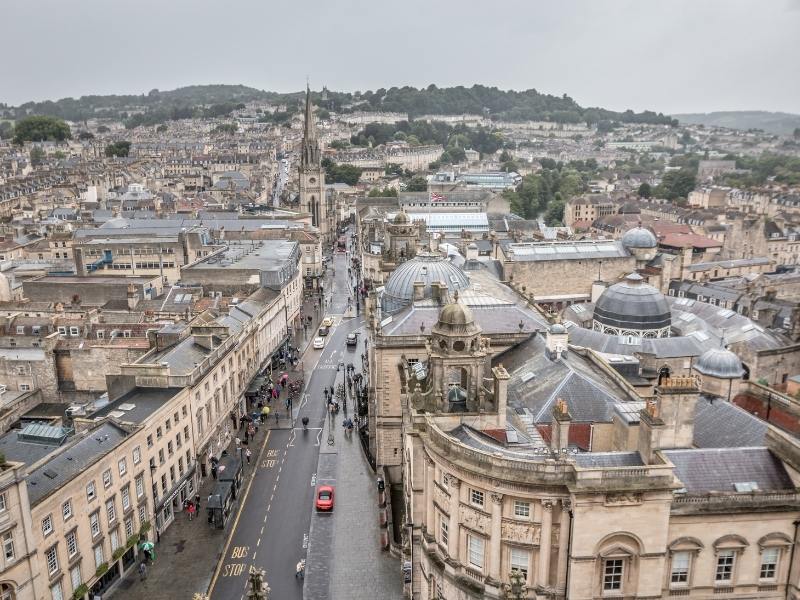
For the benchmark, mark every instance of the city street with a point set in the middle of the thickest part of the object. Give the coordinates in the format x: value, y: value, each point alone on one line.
x: 272, y: 529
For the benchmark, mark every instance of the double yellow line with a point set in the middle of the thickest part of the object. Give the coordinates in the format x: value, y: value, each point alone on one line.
x: 238, y: 514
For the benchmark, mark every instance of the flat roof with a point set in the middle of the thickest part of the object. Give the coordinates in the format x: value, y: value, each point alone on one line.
x: 138, y: 404
x: 577, y: 250
x: 263, y: 255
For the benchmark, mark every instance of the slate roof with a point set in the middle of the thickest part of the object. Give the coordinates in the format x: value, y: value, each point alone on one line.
x: 145, y: 402
x: 537, y: 382
x: 83, y: 451
x: 722, y: 424
x: 718, y: 469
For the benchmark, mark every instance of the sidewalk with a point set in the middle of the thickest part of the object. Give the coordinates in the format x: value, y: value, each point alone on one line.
x: 186, y: 555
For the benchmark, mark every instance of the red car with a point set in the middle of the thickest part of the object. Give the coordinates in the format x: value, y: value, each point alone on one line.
x: 324, y: 497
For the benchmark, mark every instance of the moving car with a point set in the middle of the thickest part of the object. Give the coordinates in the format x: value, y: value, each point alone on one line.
x: 327, y: 322
x: 323, y: 331
x: 319, y: 343
x: 352, y: 339
x: 324, y: 499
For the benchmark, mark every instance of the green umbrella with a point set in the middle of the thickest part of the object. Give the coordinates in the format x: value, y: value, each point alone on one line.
x: 148, y: 547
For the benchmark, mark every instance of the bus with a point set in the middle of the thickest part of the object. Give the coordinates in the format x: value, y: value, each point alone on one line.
x: 341, y: 244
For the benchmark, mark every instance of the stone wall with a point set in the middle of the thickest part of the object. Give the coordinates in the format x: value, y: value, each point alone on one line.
x: 565, y: 277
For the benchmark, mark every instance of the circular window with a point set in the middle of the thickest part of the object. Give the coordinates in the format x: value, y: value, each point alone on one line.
x: 443, y: 345
x: 458, y: 346
x: 312, y: 180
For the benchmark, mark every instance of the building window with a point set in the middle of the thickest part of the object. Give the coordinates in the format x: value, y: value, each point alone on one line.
x: 52, y: 560
x: 178, y: 442
x: 72, y: 544
x: 139, y: 485
x: 519, y: 561
x: 724, y: 571
x: 137, y: 455
x: 679, y: 573
x: 73, y: 331
x: 114, y: 536
x: 94, y: 524
x: 123, y: 466
x: 612, y: 574
x: 107, y: 481
x: 444, y: 529
x: 90, y: 491
x: 47, y: 525
x: 142, y: 515
x: 161, y: 459
x: 475, y: 545
x: 168, y: 424
x: 476, y: 497
x: 129, y: 527
x: 126, y: 498
x: 2, y: 503
x: 66, y: 509
x: 522, y: 509
x: 769, y: 563
x: 158, y: 433
x: 56, y: 592
x: 98, y: 555
x: 75, y: 577
x: 149, y: 441
x: 170, y: 448
x: 8, y: 546
x: 111, y: 511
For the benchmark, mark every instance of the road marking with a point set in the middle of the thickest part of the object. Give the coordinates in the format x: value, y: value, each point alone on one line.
x: 313, y: 480
x: 233, y: 570
x: 240, y: 551
x: 305, y: 541
x: 238, y: 515
x: 262, y: 530
x: 265, y: 517
x: 258, y: 543
x: 268, y: 507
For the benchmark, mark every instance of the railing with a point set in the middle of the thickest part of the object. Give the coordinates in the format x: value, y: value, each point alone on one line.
x: 740, y: 498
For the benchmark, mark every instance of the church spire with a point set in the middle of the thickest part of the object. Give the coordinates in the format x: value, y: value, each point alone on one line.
x: 310, y: 155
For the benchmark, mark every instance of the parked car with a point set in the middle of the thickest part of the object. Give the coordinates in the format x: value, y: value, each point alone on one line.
x: 325, y: 495
x: 323, y: 331
x: 319, y: 343
x: 327, y: 322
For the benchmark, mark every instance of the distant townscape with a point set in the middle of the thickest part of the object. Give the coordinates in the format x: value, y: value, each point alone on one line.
x: 442, y: 343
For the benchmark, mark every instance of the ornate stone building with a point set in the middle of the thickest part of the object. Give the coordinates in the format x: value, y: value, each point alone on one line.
x: 675, y: 494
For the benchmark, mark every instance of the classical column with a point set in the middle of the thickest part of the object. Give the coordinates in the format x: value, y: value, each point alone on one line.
x: 430, y: 515
x: 563, y: 545
x: 544, y: 542
x: 496, y: 535
x: 453, y: 540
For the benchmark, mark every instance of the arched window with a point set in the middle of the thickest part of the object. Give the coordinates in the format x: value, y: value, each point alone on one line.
x: 618, y: 564
x: 6, y: 592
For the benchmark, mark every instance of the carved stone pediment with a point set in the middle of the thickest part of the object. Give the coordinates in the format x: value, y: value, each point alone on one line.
x: 521, y: 533
x: 475, y: 520
x: 440, y: 497
x: 623, y: 499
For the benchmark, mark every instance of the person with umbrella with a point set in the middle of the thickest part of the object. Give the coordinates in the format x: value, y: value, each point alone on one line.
x: 148, y: 548
x: 264, y: 413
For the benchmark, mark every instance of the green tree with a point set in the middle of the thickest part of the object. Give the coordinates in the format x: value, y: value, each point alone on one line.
x: 102, y: 129
x: 417, y: 184
x: 394, y: 169
x: 119, y: 149
x: 645, y: 191
x: 555, y: 212
x: 6, y: 130
x: 382, y: 193
x: 340, y: 173
x: 161, y: 128
x: 676, y: 184
x: 39, y: 128
x: 85, y: 135
x: 37, y: 156
x: 225, y: 129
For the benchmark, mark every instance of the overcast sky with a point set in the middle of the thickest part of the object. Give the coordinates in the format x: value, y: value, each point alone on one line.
x: 668, y: 55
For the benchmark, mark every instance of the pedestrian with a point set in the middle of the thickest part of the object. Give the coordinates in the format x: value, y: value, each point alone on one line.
x: 246, y: 436
x: 248, y: 454
x: 190, y: 510
x: 214, y: 472
x: 142, y: 571
x: 197, y: 500
x: 238, y: 442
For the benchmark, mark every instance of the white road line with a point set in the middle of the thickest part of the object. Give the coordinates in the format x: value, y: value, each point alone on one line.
x: 258, y: 543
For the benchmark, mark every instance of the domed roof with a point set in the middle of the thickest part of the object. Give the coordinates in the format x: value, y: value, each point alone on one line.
x: 719, y: 362
x: 639, y: 237
x: 632, y: 305
x: 399, y: 288
x: 557, y: 328
x: 456, y: 313
x: 401, y: 218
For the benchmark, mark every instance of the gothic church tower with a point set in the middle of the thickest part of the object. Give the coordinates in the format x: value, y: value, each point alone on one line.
x: 312, y: 177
